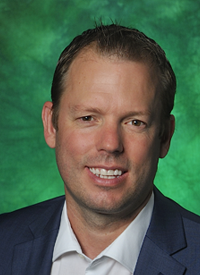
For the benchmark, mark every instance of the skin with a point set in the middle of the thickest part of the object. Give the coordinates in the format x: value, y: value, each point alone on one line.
x: 109, y: 117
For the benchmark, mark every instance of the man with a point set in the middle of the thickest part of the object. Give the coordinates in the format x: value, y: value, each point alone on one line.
x: 109, y: 121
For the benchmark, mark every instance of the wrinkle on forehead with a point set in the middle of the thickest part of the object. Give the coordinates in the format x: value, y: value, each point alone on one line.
x: 91, y: 53
x: 109, y: 82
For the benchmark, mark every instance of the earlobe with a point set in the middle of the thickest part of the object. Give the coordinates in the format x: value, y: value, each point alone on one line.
x: 167, y: 136
x: 49, y: 130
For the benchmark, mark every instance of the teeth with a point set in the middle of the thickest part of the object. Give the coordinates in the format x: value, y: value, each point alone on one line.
x: 106, y: 174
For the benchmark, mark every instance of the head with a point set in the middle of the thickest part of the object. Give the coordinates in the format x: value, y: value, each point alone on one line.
x: 126, y: 44
x: 111, y: 90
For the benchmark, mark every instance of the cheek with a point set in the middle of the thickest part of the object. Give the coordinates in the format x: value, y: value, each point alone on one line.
x: 144, y: 150
x: 74, y: 144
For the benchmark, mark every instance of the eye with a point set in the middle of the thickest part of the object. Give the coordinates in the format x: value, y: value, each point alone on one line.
x: 136, y: 122
x: 87, y: 118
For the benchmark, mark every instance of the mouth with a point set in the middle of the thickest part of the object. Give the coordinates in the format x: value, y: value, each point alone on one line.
x: 106, y: 174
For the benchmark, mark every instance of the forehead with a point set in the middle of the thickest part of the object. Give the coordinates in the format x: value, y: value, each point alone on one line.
x: 93, y: 79
x: 88, y: 61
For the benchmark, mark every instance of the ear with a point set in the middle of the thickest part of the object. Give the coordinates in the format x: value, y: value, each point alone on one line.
x: 166, y: 136
x: 49, y: 130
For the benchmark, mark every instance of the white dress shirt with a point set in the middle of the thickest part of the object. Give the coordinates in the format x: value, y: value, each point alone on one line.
x: 120, y: 257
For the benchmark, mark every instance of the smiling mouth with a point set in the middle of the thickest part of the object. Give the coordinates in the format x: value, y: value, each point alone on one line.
x: 106, y: 174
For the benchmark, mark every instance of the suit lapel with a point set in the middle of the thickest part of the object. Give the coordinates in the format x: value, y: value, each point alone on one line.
x: 154, y: 261
x: 164, y: 238
x: 33, y: 255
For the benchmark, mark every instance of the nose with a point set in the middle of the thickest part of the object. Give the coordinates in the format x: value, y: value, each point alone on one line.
x: 109, y: 139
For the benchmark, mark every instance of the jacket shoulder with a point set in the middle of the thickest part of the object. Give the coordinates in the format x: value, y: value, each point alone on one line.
x: 31, y: 212
x: 186, y: 214
x: 14, y: 224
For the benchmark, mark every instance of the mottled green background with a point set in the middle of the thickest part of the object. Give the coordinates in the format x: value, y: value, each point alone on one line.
x: 32, y: 35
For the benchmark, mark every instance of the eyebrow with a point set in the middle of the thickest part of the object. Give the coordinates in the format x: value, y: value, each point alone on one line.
x: 138, y: 113
x: 78, y: 108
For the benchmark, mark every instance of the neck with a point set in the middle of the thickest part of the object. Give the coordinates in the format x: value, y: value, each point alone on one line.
x: 95, y: 231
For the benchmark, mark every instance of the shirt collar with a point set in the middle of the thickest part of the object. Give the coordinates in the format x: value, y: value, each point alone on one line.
x: 125, y: 249
x: 66, y: 240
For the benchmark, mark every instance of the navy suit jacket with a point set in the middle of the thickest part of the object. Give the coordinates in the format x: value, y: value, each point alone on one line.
x: 171, y: 245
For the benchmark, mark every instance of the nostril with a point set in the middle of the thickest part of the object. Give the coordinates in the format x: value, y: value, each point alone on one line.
x: 110, y: 141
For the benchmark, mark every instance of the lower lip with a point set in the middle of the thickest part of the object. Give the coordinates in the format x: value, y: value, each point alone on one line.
x: 107, y: 182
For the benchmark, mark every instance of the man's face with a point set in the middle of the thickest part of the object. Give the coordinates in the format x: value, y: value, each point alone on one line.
x: 108, y: 143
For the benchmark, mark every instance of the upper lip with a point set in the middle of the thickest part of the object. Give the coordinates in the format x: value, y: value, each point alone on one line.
x: 108, y: 167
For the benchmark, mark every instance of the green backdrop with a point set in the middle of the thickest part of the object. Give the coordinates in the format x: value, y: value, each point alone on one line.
x: 32, y: 35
